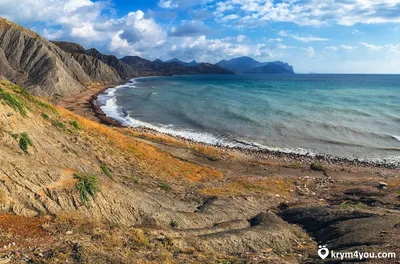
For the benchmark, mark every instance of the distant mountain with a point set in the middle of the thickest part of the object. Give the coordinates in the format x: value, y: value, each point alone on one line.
x: 240, y: 64
x: 190, y: 64
x: 272, y: 68
x: 250, y: 65
x: 160, y: 68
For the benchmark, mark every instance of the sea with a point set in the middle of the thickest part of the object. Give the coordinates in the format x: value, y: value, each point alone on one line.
x: 345, y: 116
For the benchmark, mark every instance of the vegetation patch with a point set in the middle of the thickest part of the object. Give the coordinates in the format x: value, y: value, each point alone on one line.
x: 247, y: 186
x: 317, y: 167
x: 24, y: 141
x: 148, y: 158
x: 58, y: 124
x: 87, y: 185
x: 104, y: 168
x: 165, y: 186
x: 45, y: 116
x: 75, y: 124
x: 12, y: 101
x: 45, y: 105
x: 135, y: 180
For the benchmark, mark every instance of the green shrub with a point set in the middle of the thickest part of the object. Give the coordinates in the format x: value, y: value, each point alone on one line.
x: 317, y: 167
x: 23, y: 139
x: 45, y: 116
x: 165, y: 186
x: 87, y: 185
x: 173, y: 224
x: 75, y: 124
x: 135, y: 180
x: 58, y: 124
x: 13, y: 102
x: 22, y: 92
x: 106, y: 170
x: 45, y: 105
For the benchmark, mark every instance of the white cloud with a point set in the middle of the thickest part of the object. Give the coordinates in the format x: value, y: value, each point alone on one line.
x: 310, y: 51
x: 303, y: 39
x: 334, y: 48
x: 371, y: 46
x: 345, y: 47
x: 167, y: 4
x: 312, y: 12
x: 240, y: 38
x: 52, y: 34
x: 341, y: 47
x: 275, y: 40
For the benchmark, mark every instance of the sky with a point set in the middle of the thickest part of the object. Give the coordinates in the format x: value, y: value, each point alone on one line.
x: 322, y: 36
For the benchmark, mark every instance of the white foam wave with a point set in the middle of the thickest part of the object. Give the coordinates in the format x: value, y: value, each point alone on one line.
x: 110, y: 107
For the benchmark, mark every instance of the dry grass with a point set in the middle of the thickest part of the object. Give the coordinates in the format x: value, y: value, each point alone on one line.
x: 249, y: 186
x: 211, y: 152
x: 150, y: 159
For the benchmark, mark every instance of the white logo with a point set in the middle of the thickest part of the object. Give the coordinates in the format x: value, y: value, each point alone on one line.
x: 323, y: 251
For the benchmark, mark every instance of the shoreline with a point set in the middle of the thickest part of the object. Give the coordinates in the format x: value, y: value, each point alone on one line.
x: 89, y: 105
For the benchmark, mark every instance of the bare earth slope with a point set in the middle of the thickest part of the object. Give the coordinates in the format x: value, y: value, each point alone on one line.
x: 42, y: 67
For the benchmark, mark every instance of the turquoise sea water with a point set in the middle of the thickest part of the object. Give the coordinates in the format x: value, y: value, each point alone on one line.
x: 352, y: 116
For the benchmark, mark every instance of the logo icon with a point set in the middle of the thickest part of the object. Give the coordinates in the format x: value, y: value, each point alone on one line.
x: 323, y: 251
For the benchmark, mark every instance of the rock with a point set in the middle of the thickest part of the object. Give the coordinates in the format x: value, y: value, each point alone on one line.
x: 346, y: 229
x: 382, y: 185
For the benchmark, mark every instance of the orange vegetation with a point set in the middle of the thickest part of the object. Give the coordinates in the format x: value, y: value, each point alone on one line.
x: 23, y: 226
x: 149, y: 158
x: 248, y: 186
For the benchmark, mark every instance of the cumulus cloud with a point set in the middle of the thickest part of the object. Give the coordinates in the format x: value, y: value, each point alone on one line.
x: 189, y: 28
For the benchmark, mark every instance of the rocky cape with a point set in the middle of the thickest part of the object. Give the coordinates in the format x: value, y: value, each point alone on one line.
x: 250, y: 65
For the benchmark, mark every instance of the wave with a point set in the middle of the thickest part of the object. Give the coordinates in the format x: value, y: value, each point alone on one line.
x: 396, y: 137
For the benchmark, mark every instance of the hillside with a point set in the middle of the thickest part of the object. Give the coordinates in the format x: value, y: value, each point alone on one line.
x: 249, y: 65
x: 37, y: 64
x: 74, y: 190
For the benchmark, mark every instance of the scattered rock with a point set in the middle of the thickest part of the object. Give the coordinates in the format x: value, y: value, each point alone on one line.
x: 382, y: 185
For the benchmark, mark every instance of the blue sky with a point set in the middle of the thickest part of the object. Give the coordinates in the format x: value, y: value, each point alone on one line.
x: 325, y: 36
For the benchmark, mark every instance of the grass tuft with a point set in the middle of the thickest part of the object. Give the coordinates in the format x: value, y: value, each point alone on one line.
x: 87, y: 185
x: 165, y: 186
x: 12, y: 101
x: 58, y: 124
x: 75, y: 124
x: 45, y: 116
x: 104, y: 168
x: 317, y: 167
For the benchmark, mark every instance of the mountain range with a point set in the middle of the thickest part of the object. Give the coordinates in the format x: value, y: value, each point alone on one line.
x: 250, y: 65
x: 60, y: 68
